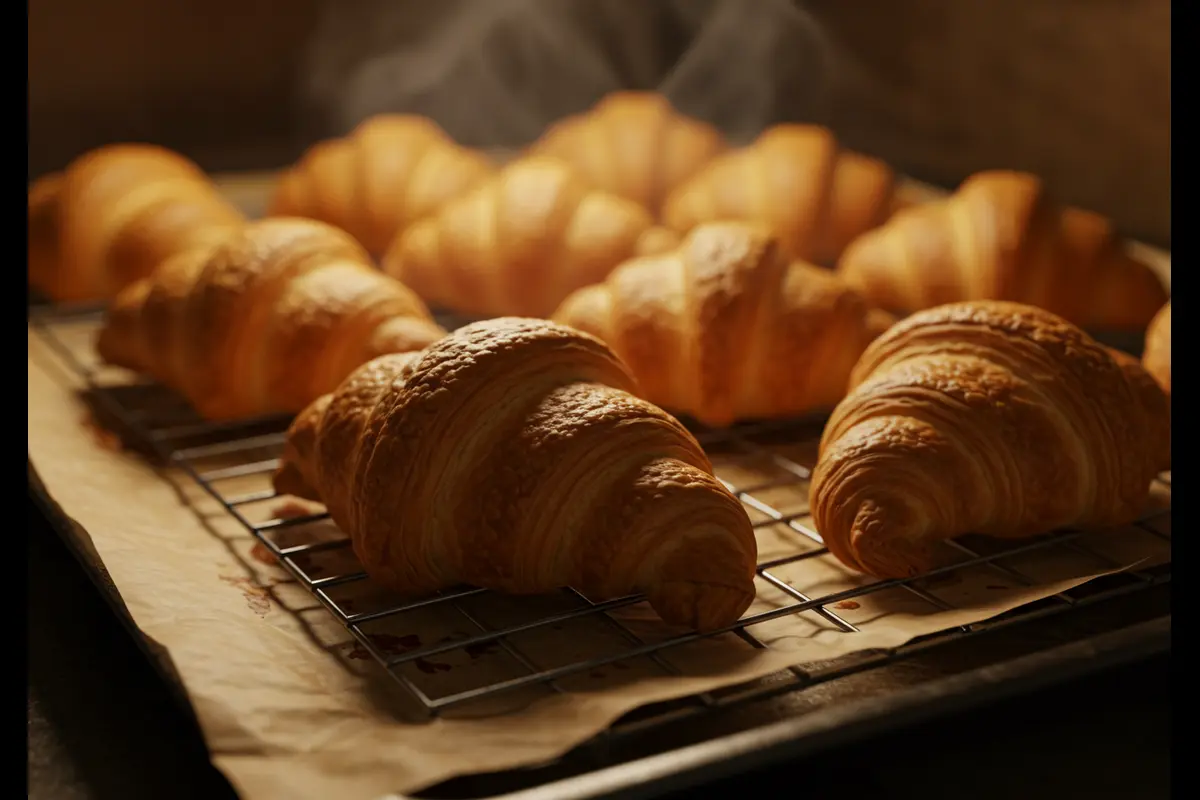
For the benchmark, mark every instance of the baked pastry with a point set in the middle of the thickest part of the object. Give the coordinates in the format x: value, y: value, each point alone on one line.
x: 521, y: 242
x: 1000, y: 237
x: 633, y: 144
x: 265, y: 321
x: 983, y: 417
x: 725, y: 328
x: 815, y: 196
x: 513, y: 455
x: 113, y: 215
x: 387, y: 173
x: 1157, y: 355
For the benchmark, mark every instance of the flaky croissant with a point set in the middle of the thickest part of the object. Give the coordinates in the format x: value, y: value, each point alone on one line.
x: 725, y: 328
x: 521, y: 242
x: 983, y: 417
x: 999, y: 237
x: 815, y: 196
x: 1157, y: 356
x: 387, y: 173
x: 512, y: 455
x: 114, y: 214
x: 265, y: 321
x: 633, y: 144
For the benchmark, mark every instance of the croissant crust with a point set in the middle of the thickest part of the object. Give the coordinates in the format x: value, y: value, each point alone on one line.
x: 983, y: 417
x: 114, y: 214
x: 725, y: 328
x: 1157, y: 356
x: 795, y: 179
x: 265, y: 321
x: 389, y: 172
x: 633, y: 144
x: 512, y: 455
x: 521, y: 242
x: 1000, y: 237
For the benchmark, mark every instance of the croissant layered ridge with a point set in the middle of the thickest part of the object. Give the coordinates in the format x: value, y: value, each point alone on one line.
x: 272, y: 317
x: 521, y: 242
x: 633, y: 144
x: 725, y: 327
x: 796, y: 180
x: 983, y: 417
x: 390, y: 171
x: 1001, y: 237
x: 514, y: 455
x: 113, y: 215
x: 1157, y: 355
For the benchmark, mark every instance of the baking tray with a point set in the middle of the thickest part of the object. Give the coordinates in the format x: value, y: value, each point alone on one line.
x: 670, y: 746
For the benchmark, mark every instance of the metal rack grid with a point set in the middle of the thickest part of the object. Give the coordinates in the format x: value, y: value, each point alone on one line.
x: 173, y: 434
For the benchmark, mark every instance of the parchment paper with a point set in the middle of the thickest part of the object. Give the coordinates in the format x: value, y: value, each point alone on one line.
x: 291, y: 706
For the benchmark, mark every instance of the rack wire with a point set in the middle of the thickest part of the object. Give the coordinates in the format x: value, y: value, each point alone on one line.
x: 167, y: 427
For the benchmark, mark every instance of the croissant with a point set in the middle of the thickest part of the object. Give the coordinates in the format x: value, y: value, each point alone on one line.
x: 999, y: 237
x: 633, y: 144
x: 1157, y: 355
x: 815, y: 196
x: 263, y: 322
x: 521, y: 242
x: 983, y: 417
x: 513, y: 455
x: 725, y: 328
x: 391, y: 170
x: 113, y: 215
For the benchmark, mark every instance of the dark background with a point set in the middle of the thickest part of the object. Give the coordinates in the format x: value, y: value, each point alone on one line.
x: 1077, y: 91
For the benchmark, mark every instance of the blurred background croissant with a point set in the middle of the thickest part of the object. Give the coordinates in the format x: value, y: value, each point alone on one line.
x: 937, y: 88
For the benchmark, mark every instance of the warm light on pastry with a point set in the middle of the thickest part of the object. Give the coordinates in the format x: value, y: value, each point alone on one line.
x: 114, y: 214
x: 521, y: 242
x: 264, y: 322
x: 795, y: 179
x: 390, y: 171
x: 1157, y: 355
x: 633, y: 144
x: 984, y: 417
x: 726, y: 327
x: 513, y: 455
x: 999, y: 237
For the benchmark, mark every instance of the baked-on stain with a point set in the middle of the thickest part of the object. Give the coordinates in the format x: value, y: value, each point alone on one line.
x: 258, y: 598
x: 480, y: 649
x: 848, y: 605
x: 101, y: 435
x: 431, y: 667
x: 262, y: 554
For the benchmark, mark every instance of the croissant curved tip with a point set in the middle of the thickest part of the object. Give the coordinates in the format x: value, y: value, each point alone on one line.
x: 702, y: 607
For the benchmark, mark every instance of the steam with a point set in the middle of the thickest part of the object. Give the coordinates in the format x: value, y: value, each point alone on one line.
x: 495, y: 73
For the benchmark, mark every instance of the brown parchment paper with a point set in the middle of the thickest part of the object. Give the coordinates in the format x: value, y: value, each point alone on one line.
x: 290, y: 705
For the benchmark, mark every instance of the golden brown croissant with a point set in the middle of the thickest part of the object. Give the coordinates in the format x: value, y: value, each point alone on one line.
x: 795, y: 179
x: 264, y: 322
x: 1157, y: 356
x: 725, y: 328
x: 521, y: 242
x: 513, y: 455
x: 114, y: 214
x: 999, y: 237
x: 983, y: 417
x: 389, y: 172
x: 633, y: 144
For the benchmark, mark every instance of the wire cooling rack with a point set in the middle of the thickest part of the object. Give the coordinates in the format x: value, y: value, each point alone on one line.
x: 216, y: 457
